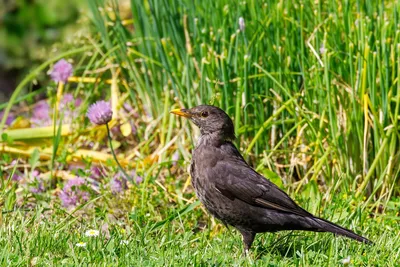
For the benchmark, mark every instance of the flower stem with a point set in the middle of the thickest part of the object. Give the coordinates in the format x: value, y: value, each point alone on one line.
x: 115, y: 157
x: 60, y: 90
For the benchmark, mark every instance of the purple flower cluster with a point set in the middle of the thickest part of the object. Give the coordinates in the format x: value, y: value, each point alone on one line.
x: 69, y: 102
x: 17, y: 176
x: 10, y: 118
x: 33, y: 183
x: 62, y: 70
x: 37, y: 186
x: 119, y: 182
x: 73, y: 192
x: 70, y: 105
x: 97, y: 172
x: 41, y: 114
x: 100, y: 112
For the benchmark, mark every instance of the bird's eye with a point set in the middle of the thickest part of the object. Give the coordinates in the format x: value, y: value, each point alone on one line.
x: 204, y: 114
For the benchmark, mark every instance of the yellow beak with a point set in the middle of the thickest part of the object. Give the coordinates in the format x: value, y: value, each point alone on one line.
x: 181, y: 112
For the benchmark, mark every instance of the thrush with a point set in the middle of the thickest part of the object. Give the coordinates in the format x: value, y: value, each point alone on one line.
x: 236, y: 194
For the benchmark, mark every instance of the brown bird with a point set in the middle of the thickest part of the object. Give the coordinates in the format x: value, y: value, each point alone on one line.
x: 235, y: 193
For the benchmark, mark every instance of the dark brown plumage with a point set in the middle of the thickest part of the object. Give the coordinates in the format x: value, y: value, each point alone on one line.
x: 235, y: 193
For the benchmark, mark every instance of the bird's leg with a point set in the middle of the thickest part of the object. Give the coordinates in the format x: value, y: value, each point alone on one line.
x: 248, y: 238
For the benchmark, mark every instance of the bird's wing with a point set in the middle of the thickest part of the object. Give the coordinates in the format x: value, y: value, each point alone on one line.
x: 235, y: 179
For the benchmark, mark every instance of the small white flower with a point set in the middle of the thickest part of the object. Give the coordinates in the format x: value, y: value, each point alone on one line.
x: 346, y: 261
x: 34, y: 261
x: 241, y: 24
x: 322, y: 49
x: 124, y: 242
x: 92, y: 233
x: 81, y: 244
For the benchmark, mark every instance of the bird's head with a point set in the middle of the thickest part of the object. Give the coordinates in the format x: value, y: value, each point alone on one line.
x: 210, y: 120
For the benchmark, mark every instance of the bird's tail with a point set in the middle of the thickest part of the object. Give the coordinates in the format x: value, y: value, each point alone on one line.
x: 328, y: 226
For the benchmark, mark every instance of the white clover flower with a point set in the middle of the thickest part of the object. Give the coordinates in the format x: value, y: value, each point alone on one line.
x: 346, y: 261
x: 81, y: 244
x: 322, y: 49
x: 241, y: 24
x: 92, y: 233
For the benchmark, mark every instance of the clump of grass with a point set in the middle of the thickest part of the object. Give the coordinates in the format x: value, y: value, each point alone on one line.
x: 311, y: 85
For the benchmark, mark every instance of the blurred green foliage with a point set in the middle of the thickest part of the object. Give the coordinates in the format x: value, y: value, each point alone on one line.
x: 27, y: 28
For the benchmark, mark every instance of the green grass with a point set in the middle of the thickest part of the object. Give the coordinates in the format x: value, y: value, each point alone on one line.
x: 312, y: 87
x: 50, y: 238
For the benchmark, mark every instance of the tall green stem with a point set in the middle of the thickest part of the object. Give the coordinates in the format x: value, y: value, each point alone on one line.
x: 129, y: 178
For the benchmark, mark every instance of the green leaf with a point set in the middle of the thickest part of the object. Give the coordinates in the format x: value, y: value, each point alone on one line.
x: 34, y: 159
x: 312, y: 193
x: 4, y: 137
x: 177, y: 214
x: 272, y: 176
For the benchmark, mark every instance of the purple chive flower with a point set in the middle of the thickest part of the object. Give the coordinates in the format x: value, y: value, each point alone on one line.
x: 72, y: 193
x: 41, y: 110
x: 41, y: 114
x: 242, y: 26
x: 78, y: 102
x: 100, y: 112
x: 67, y: 101
x: 10, y: 118
x: 62, y: 70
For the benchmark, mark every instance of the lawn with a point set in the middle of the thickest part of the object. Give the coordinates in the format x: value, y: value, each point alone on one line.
x: 312, y: 88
